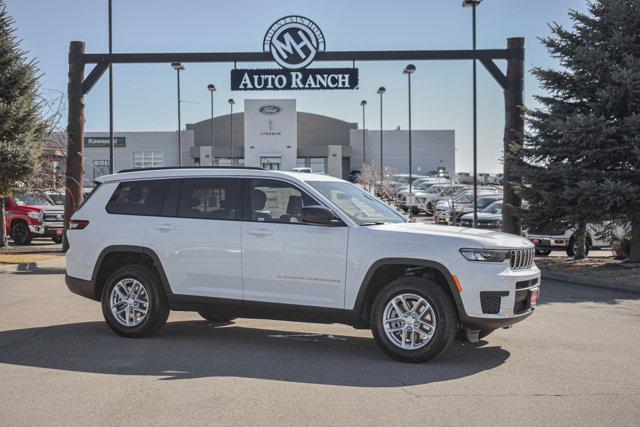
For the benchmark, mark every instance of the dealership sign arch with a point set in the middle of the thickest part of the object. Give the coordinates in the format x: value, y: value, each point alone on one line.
x: 294, y: 43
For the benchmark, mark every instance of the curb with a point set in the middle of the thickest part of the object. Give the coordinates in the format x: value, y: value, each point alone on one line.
x: 597, y: 283
x: 59, y: 262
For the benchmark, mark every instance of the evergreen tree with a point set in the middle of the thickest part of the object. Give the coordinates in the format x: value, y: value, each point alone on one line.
x: 22, y: 128
x: 581, y: 158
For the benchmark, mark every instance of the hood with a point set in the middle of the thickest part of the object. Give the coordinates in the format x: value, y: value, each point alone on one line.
x: 472, y: 237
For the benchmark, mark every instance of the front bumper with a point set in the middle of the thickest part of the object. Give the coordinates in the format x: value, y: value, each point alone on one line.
x: 494, y: 295
x: 46, y: 230
x: 549, y: 242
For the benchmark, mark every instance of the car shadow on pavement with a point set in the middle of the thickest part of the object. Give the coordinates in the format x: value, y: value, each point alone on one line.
x: 195, y: 349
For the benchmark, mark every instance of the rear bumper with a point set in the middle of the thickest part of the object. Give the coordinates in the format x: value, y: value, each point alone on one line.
x: 84, y: 288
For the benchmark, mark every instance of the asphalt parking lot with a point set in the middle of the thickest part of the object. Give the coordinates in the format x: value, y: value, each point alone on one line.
x: 575, y: 361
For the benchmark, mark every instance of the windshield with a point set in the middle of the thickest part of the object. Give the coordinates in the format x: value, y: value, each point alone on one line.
x: 494, y: 208
x: 484, y: 202
x: 357, y: 204
x: 57, y: 199
x: 29, y: 199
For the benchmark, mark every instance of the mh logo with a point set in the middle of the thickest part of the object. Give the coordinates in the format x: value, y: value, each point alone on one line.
x: 294, y: 42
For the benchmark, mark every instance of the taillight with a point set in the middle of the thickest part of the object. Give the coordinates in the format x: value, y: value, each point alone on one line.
x: 78, y: 224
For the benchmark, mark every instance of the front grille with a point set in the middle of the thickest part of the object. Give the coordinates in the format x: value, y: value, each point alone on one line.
x: 490, y: 304
x: 521, y: 303
x: 52, y: 217
x: 519, y: 259
x: 526, y: 283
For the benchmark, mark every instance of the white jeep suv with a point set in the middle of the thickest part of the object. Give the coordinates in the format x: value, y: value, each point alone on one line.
x: 242, y: 242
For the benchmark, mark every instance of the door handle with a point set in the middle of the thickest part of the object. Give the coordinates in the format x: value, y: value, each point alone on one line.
x: 260, y: 232
x: 164, y: 227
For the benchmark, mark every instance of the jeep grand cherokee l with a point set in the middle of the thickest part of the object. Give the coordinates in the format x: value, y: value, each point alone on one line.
x: 253, y: 243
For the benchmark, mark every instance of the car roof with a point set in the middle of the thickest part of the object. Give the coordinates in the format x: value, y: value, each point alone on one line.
x: 186, y: 172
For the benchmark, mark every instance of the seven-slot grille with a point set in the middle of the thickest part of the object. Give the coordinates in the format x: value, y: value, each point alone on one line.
x: 520, y: 259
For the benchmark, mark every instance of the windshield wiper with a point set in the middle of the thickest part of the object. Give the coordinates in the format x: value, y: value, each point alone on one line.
x: 373, y: 223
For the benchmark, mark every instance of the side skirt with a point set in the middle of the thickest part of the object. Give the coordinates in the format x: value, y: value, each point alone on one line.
x: 262, y: 310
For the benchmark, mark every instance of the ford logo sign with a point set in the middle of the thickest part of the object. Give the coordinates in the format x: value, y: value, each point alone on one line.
x: 270, y: 109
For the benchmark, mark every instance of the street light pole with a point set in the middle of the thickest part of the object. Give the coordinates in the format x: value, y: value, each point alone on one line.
x: 364, y: 136
x: 111, y: 142
x: 408, y: 70
x: 231, y: 102
x: 473, y: 4
x: 212, y: 88
x: 179, y: 67
x: 381, y: 91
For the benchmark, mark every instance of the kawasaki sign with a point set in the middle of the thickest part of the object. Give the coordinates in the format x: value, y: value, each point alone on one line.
x: 294, y: 42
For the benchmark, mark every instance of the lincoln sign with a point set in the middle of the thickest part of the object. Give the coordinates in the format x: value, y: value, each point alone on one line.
x: 294, y: 42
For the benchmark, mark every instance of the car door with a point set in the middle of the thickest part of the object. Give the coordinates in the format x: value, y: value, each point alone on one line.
x: 197, y: 237
x: 284, y: 259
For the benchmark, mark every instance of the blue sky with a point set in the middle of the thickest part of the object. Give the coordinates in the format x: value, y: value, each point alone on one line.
x: 145, y: 95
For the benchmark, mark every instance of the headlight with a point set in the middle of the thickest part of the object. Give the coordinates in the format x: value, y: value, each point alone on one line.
x: 34, y: 215
x: 485, y: 255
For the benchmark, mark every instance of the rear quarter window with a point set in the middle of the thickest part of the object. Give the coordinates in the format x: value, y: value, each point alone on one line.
x: 138, y: 198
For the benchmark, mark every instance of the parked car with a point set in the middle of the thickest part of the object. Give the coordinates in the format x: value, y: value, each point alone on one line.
x: 31, y: 215
x: 419, y: 187
x: 561, y: 237
x: 464, y: 178
x: 254, y: 243
x: 354, y: 176
x: 489, y: 217
x: 302, y: 169
x: 461, y: 203
x: 426, y: 200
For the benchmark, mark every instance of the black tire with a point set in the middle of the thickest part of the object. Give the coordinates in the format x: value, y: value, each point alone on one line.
x: 573, y: 246
x: 216, y: 317
x: 57, y: 239
x: 20, y: 233
x: 444, y: 312
x: 157, y: 311
x: 543, y: 252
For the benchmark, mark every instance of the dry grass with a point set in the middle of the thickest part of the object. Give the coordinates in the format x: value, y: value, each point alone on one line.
x: 604, y: 268
x: 26, y: 258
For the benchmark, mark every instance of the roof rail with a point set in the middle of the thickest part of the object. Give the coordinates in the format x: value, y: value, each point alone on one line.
x: 189, y: 167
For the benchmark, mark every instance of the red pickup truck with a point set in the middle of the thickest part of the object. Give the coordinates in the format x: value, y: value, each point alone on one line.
x: 30, y: 215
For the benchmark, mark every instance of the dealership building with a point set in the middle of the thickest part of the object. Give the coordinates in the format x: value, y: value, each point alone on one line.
x: 272, y: 134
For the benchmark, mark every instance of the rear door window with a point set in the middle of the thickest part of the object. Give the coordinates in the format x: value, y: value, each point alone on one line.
x: 138, y: 198
x: 211, y: 198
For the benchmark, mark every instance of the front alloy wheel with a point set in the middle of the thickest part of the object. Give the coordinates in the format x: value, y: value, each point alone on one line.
x: 409, y: 321
x: 413, y: 319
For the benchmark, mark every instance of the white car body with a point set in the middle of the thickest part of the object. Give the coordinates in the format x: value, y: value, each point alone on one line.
x: 316, y: 268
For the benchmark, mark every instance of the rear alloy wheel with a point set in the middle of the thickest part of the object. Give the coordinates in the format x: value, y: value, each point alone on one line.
x: 413, y: 319
x: 216, y: 317
x: 20, y: 233
x: 133, y: 301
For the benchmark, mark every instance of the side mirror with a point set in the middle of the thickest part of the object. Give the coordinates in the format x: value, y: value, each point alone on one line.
x: 317, y: 215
